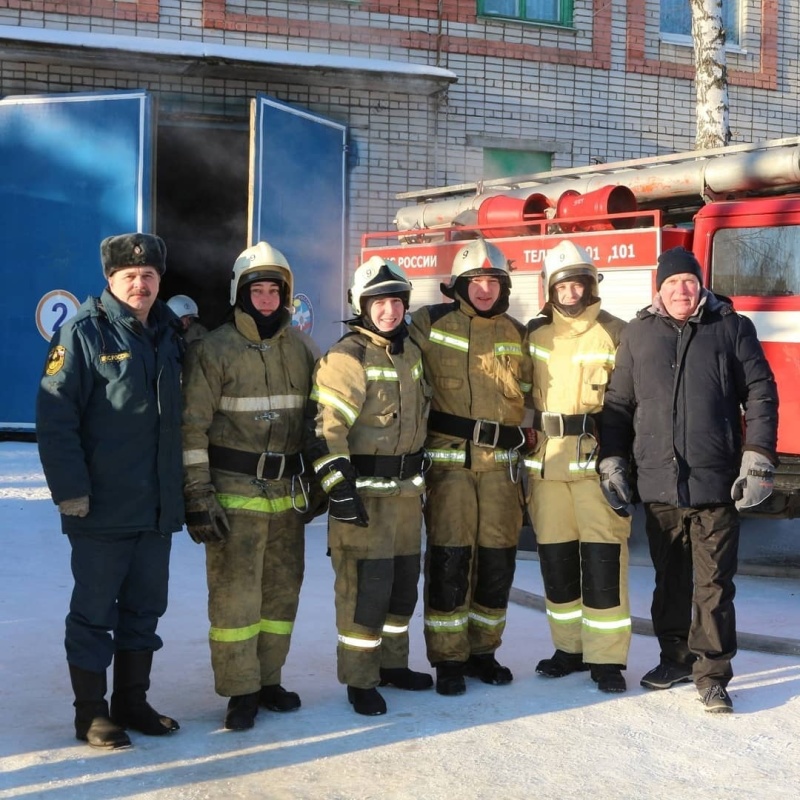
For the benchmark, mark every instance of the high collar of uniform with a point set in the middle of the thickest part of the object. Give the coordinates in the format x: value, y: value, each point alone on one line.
x: 577, y: 325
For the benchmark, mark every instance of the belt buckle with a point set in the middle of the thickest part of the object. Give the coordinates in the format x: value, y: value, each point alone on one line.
x: 262, y: 461
x: 477, y: 430
x: 554, y: 416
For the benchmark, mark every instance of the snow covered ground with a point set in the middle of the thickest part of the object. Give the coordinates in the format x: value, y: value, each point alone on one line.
x: 535, y: 739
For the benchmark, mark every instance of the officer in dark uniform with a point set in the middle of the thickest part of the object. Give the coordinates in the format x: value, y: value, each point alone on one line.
x: 108, y: 424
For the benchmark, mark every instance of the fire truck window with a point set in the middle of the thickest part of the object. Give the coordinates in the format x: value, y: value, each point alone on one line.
x: 763, y: 262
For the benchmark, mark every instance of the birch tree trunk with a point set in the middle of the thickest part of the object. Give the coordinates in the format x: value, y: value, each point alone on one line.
x: 711, y: 74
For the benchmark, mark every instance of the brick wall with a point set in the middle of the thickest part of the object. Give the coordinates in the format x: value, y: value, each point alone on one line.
x: 605, y: 89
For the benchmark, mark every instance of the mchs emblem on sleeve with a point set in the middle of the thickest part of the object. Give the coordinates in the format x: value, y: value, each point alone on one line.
x: 55, y: 360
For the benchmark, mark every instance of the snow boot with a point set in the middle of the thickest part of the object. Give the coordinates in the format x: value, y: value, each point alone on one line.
x: 561, y: 664
x: 608, y: 678
x: 486, y: 668
x: 666, y: 675
x: 275, y: 698
x: 450, y: 678
x: 92, y: 723
x: 368, y: 702
x: 241, y: 713
x: 129, y: 706
x: 716, y: 699
x: 405, y: 678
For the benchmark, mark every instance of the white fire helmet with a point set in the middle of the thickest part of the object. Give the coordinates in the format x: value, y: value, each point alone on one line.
x: 479, y: 258
x: 565, y: 261
x: 183, y: 306
x: 374, y: 277
x: 261, y: 262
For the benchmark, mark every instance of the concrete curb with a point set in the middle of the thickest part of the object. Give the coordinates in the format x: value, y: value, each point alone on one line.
x: 746, y: 641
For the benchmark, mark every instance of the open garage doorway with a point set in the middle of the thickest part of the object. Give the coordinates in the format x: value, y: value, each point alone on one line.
x: 201, y: 186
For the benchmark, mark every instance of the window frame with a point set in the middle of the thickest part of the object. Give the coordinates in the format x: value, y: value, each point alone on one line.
x: 686, y: 38
x: 566, y: 10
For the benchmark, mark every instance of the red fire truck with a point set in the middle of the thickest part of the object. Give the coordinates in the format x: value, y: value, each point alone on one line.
x: 737, y: 208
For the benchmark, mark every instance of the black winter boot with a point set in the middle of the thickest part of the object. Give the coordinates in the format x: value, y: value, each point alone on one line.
x: 129, y: 706
x: 92, y: 723
x: 486, y: 668
x: 608, y: 678
x: 405, y: 678
x: 276, y: 698
x: 450, y: 678
x: 561, y: 664
x: 366, y: 701
x: 242, y: 710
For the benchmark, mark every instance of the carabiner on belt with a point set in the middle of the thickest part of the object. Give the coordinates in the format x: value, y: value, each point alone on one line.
x: 297, y: 480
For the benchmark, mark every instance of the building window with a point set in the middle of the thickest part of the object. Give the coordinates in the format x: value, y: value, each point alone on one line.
x: 499, y: 163
x: 676, y: 18
x: 557, y: 12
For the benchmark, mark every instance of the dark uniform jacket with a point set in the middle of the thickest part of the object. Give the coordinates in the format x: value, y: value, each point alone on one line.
x: 108, y: 418
x: 675, y: 402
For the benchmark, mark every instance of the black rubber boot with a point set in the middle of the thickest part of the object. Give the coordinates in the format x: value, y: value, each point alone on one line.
x: 561, y: 664
x: 405, y: 678
x: 368, y: 702
x: 92, y: 723
x: 276, y: 698
x: 242, y: 711
x: 450, y: 678
x: 129, y: 706
x: 486, y: 668
x: 608, y: 678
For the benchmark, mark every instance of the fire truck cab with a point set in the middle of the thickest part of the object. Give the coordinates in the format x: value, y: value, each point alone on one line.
x: 737, y: 208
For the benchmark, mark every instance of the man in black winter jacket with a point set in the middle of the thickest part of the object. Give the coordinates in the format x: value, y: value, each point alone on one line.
x: 686, y: 368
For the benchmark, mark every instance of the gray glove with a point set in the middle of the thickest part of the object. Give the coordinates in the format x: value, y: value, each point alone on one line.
x: 76, y: 507
x: 755, y: 482
x: 205, y: 519
x: 614, y: 484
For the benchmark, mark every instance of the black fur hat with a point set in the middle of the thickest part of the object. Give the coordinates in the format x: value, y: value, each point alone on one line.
x: 133, y: 250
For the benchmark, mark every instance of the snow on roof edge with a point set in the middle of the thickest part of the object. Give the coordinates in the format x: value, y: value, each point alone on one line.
x: 203, y: 50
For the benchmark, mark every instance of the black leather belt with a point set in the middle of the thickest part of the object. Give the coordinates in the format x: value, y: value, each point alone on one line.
x: 557, y: 426
x: 264, y: 466
x: 482, y: 432
x: 401, y: 467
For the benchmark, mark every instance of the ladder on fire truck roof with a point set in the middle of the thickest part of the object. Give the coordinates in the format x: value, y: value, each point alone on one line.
x: 542, y: 178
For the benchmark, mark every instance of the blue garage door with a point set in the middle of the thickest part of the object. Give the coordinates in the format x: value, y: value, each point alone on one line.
x: 73, y: 169
x: 298, y: 169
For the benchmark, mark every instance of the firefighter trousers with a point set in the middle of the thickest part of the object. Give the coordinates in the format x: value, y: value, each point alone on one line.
x: 695, y: 555
x: 583, y: 554
x: 254, y: 581
x: 472, y: 520
x: 376, y: 578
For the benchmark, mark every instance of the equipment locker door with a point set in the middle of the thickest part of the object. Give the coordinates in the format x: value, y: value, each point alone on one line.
x: 73, y: 169
x: 297, y: 203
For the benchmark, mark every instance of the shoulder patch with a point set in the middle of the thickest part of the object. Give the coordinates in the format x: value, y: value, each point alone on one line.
x: 55, y: 360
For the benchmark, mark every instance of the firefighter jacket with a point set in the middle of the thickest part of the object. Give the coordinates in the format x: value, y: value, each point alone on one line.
x: 371, y: 403
x: 478, y: 370
x: 246, y: 395
x: 108, y: 418
x: 675, y: 403
x: 573, y: 358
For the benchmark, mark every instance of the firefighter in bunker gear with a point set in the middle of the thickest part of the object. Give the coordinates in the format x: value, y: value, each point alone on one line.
x: 582, y: 542
x: 247, y: 493
x: 186, y: 310
x: 473, y: 356
x: 371, y: 406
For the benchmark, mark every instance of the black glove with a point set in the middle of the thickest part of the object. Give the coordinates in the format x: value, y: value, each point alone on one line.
x: 205, y: 519
x: 614, y: 484
x: 345, y: 504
